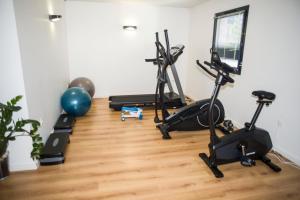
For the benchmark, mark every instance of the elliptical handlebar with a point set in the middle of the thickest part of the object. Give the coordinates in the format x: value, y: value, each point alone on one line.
x: 167, y: 42
x: 150, y: 60
x: 157, y: 36
x: 166, y: 55
x: 160, y: 50
x: 154, y: 61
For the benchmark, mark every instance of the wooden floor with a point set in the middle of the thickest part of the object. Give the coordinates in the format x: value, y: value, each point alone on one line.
x: 110, y: 159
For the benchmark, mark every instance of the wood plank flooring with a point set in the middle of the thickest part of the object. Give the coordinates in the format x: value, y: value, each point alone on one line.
x: 110, y: 159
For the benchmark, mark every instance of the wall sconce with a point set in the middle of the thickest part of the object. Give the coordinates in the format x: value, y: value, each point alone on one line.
x: 130, y: 28
x: 54, y: 18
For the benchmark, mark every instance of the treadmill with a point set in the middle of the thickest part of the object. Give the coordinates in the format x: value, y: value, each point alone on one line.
x: 171, y: 99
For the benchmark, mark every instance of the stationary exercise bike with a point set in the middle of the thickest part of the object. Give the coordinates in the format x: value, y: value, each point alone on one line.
x: 245, y: 145
x: 189, y: 118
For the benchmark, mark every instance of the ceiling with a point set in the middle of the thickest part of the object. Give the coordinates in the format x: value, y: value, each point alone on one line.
x: 171, y: 3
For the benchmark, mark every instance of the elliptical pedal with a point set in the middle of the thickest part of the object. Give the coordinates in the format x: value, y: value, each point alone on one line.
x: 228, y: 125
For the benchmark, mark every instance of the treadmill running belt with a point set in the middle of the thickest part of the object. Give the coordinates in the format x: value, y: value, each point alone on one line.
x: 133, y: 98
x: 146, y: 100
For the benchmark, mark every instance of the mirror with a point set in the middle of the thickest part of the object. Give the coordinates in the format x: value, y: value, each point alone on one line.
x: 229, y: 36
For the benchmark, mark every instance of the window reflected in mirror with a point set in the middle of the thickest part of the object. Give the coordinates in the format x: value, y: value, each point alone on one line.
x: 229, y: 36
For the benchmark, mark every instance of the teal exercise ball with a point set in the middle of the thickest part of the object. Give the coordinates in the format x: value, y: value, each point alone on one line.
x: 76, y: 101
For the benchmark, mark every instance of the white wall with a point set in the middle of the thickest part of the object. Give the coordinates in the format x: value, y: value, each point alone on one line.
x: 12, y: 82
x: 270, y: 63
x: 33, y: 60
x: 44, y: 58
x: 113, y: 58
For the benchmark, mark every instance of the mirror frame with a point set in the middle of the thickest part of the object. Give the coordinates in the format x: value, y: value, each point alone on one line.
x: 219, y: 15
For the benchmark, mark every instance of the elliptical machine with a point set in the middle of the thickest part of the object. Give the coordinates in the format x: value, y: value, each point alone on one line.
x: 189, y: 118
x: 245, y: 145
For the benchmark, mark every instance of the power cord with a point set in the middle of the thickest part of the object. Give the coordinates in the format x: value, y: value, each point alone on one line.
x: 283, y: 160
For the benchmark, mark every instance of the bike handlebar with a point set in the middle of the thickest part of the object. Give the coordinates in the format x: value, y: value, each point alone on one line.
x: 207, y: 63
x: 216, y: 62
x: 205, y: 69
x: 218, y: 69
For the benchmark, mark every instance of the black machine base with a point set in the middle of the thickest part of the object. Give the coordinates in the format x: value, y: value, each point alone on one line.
x: 54, y: 150
x: 269, y: 163
x: 164, y: 131
x: 213, y: 168
x: 218, y: 174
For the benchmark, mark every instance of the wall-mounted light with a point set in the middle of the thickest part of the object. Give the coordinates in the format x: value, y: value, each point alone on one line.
x: 130, y: 28
x: 54, y: 18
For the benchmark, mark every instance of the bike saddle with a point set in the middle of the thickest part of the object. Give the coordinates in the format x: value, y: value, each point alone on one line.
x: 264, y: 95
